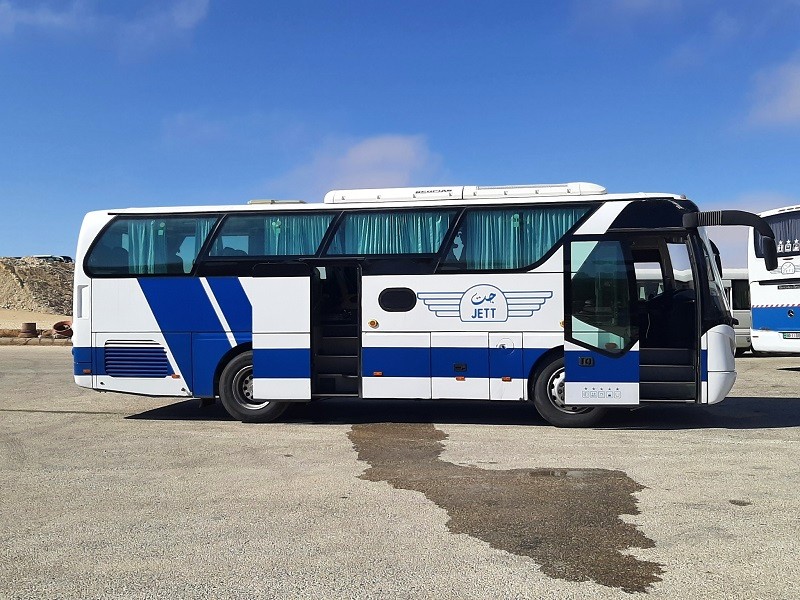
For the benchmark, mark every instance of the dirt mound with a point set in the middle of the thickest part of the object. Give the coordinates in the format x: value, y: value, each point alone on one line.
x: 36, y: 285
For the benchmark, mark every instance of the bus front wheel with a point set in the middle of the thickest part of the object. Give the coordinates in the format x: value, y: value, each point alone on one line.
x: 548, y: 398
x: 236, y: 393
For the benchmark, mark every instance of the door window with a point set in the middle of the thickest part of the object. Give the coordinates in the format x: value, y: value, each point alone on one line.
x: 601, y: 286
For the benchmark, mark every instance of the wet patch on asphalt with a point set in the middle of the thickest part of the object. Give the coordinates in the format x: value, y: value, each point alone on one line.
x: 567, y: 520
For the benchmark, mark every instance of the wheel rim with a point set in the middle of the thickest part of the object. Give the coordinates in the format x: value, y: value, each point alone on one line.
x: 243, y: 389
x: 556, y: 392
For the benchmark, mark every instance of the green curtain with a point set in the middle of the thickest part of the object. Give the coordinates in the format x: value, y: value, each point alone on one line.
x: 294, y: 235
x: 404, y: 232
x: 147, y: 248
x: 148, y: 241
x: 513, y: 238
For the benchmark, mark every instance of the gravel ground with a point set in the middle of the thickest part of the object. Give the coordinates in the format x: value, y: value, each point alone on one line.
x: 105, y: 495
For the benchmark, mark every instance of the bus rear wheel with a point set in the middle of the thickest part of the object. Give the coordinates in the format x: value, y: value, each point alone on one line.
x: 548, y: 398
x: 236, y: 393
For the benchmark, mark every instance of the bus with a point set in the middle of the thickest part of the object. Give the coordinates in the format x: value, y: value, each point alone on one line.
x: 522, y: 293
x: 775, y: 293
x: 737, y: 291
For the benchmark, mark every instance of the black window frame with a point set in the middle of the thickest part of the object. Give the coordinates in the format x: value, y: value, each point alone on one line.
x: 263, y: 258
x: 445, y: 268
x: 116, y: 217
x: 795, y: 214
x: 336, y: 224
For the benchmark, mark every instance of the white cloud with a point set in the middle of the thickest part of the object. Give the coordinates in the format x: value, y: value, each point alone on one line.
x: 777, y: 95
x: 193, y: 128
x: 149, y: 31
x: 158, y: 23
x: 380, y: 161
x: 721, y: 31
x: 605, y: 14
x: 75, y: 17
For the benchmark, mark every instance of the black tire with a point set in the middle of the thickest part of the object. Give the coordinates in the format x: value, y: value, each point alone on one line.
x: 236, y: 393
x: 548, y: 390
x: 739, y: 352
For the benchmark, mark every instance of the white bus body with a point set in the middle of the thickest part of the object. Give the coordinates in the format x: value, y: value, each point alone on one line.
x: 775, y: 295
x: 509, y: 293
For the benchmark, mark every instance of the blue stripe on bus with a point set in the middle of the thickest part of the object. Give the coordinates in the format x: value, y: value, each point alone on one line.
x: 474, y: 360
x: 235, y: 305
x: 703, y: 365
x: 506, y: 362
x: 207, y: 352
x: 396, y: 362
x: 440, y: 362
x: 775, y: 318
x: 621, y: 369
x: 530, y: 357
x: 282, y: 363
x: 180, y: 305
x: 92, y: 359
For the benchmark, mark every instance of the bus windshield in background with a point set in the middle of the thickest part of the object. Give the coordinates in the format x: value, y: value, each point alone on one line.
x: 787, y: 234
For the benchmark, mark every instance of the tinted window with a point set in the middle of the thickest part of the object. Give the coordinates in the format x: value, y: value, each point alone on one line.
x: 149, y: 246
x: 271, y: 235
x: 741, y: 295
x: 509, y: 238
x: 396, y: 232
x: 786, y: 227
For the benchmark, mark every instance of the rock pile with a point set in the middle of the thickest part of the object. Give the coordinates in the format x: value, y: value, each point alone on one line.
x: 36, y: 285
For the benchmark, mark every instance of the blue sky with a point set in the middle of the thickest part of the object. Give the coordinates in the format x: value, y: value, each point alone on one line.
x: 122, y: 103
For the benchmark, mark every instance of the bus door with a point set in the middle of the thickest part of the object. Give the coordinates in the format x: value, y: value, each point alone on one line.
x: 281, y: 299
x: 601, y: 349
x: 335, y: 331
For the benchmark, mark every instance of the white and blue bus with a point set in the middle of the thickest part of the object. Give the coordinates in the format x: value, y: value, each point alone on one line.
x: 514, y: 293
x: 775, y: 294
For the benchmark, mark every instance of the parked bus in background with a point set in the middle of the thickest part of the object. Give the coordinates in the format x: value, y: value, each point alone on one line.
x: 510, y: 293
x: 775, y: 293
x: 737, y: 289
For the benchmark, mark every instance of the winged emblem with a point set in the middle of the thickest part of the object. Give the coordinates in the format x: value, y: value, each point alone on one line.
x: 442, y: 304
x: 484, y: 302
x: 524, y: 304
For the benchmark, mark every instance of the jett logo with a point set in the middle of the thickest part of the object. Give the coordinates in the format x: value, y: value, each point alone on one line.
x: 485, y: 303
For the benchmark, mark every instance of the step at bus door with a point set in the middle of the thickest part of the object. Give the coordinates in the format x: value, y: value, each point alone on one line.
x: 281, y: 299
x: 601, y: 357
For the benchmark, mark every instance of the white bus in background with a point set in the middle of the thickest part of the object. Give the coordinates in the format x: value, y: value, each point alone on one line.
x: 775, y: 294
x: 509, y: 293
x: 737, y: 289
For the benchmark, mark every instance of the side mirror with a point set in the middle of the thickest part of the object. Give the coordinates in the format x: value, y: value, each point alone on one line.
x: 770, y: 252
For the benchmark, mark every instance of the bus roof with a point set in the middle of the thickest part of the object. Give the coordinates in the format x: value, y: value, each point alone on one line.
x: 776, y: 211
x: 423, y: 197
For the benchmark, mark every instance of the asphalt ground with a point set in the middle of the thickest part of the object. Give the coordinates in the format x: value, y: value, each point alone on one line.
x: 111, y: 495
